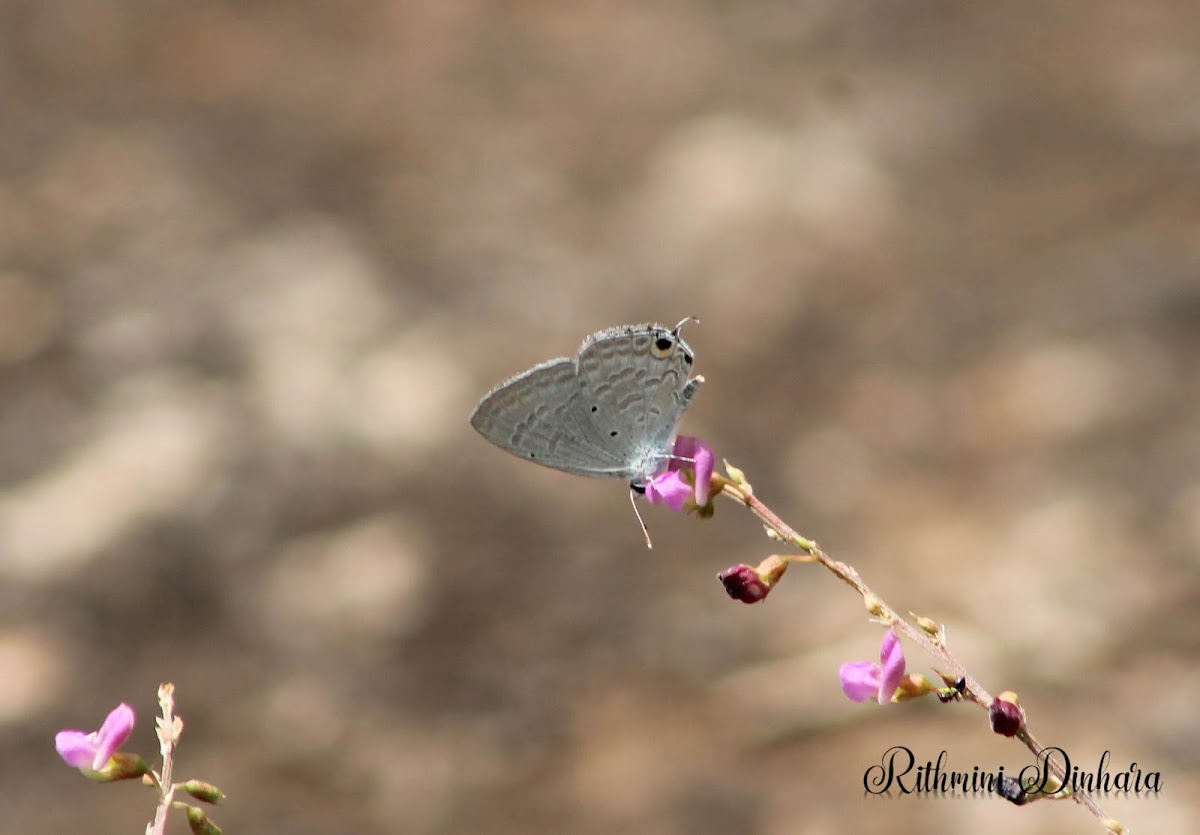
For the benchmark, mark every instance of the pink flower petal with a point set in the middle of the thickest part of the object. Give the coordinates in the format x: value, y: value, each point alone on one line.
x: 112, y: 734
x: 693, y: 456
x: 681, y: 453
x: 669, y: 489
x: 75, y: 747
x: 703, y: 456
x: 860, y: 680
x: 891, y: 659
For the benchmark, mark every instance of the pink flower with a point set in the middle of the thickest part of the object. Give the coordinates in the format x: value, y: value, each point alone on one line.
x: 863, y: 679
x: 690, y: 456
x: 92, y: 751
x: 669, y: 489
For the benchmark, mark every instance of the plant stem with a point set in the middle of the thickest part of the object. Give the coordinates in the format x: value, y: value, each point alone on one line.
x: 935, y: 646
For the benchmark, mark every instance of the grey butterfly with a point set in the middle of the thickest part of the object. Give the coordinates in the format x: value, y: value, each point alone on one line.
x: 611, y: 412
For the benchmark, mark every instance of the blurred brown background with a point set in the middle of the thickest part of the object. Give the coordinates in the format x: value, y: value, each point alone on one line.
x: 258, y: 261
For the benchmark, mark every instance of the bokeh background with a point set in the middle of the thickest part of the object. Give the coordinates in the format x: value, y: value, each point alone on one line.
x: 258, y: 260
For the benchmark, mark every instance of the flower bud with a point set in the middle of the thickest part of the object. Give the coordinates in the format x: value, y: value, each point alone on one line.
x: 743, y: 583
x: 750, y: 584
x: 874, y: 605
x: 737, y: 477
x: 199, y: 822
x: 204, y: 791
x: 1006, y: 715
x: 929, y: 626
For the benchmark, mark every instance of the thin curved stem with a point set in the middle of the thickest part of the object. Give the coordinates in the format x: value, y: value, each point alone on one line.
x: 934, y: 644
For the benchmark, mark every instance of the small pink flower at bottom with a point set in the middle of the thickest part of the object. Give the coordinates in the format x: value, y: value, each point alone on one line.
x: 688, y: 456
x: 863, y: 679
x: 92, y: 751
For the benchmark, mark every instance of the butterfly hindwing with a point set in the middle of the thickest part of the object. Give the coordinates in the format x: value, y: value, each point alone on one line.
x: 537, y: 415
x: 635, y: 385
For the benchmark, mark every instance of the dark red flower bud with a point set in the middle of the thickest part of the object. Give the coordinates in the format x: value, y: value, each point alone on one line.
x: 742, y: 582
x: 1006, y: 714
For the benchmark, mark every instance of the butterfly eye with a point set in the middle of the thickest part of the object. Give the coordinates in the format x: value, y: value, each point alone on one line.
x: 662, y: 345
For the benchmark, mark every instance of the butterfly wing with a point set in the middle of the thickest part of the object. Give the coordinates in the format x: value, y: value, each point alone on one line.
x: 539, y: 415
x: 635, y: 388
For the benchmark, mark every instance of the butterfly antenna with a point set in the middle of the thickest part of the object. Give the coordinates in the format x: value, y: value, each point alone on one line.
x: 683, y: 322
x: 638, y: 514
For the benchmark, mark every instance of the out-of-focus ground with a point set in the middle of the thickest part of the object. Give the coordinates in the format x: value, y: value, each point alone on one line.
x: 258, y: 260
